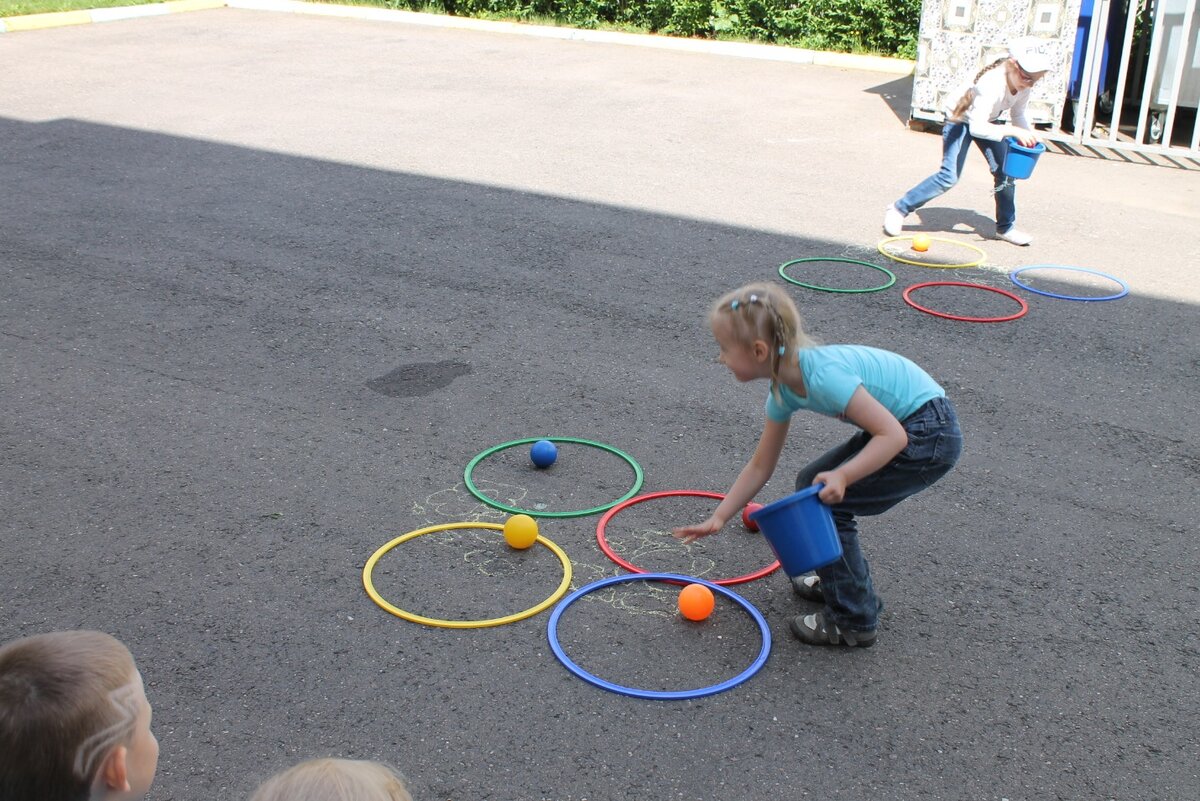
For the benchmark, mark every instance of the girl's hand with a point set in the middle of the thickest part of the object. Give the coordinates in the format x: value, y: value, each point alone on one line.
x: 835, y: 487
x: 690, y: 534
x: 1025, y: 138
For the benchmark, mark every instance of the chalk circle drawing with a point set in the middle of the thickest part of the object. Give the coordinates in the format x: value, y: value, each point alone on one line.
x: 665, y: 539
x: 643, y: 545
x: 455, y: 503
x: 477, y: 546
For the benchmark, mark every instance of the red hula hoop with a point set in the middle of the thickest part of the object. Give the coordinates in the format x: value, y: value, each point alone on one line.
x: 1024, y: 306
x: 603, y: 542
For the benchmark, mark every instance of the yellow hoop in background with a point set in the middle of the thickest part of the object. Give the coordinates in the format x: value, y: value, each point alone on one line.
x: 369, y: 568
x: 982, y: 256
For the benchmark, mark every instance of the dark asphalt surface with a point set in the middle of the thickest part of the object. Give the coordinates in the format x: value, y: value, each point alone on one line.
x: 242, y: 350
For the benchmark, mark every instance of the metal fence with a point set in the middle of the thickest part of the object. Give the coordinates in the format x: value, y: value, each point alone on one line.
x: 1139, y: 83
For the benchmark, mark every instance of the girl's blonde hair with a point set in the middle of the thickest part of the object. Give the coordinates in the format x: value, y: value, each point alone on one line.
x: 67, y: 699
x: 763, y: 311
x: 334, y: 780
x: 968, y: 97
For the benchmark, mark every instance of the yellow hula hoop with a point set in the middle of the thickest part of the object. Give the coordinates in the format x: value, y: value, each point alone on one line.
x: 369, y: 568
x: 982, y: 256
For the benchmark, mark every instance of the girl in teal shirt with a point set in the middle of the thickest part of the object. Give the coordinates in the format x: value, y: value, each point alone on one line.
x: 908, y: 438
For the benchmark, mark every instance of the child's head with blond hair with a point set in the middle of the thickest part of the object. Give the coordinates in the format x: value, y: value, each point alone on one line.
x: 334, y: 780
x: 761, y: 313
x: 74, y: 720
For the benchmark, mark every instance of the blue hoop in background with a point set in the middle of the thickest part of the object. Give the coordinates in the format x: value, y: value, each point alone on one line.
x: 760, y: 660
x: 1124, y: 286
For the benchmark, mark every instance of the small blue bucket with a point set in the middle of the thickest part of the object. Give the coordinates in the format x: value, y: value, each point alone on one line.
x: 800, y: 531
x: 1019, y: 160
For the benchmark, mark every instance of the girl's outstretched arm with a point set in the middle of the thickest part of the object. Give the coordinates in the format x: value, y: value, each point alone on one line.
x: 754, y: 475
x: 888, y: 438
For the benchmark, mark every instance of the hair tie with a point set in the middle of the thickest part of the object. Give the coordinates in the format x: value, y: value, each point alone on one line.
x: 733, y: 304
x: 782, y: 349
x: 754, y: 298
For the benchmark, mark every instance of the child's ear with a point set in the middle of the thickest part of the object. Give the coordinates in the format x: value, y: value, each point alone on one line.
x: 761, y: 350
x: 114, y: 776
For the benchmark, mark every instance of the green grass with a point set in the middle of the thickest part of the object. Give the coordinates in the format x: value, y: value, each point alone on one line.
x: 14, y: 8
x: 17, y: 8
x: 493, y: 16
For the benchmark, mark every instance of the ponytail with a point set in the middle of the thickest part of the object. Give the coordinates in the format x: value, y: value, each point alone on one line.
x: 968, y: 97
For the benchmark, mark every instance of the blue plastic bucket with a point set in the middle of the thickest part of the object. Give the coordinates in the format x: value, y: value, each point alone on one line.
x: 1020, y: 160
x: 800, y: 530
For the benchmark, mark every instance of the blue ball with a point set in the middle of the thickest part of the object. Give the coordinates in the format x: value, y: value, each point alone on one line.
x: 543, y: 453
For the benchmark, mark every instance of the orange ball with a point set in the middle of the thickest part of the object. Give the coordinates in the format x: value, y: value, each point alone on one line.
x: 921, y: 243
x: 695, y: 602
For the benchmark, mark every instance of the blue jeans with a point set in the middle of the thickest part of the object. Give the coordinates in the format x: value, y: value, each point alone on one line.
x: 955, y: 138
x: 934, y: 445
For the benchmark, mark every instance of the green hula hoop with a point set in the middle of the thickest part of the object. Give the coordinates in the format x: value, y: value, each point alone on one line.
x: 638, y: 477
x: 895, y: 257
x: 783, y: 274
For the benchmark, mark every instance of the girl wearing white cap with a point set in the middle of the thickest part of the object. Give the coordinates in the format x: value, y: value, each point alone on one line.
x: 1003, y: 85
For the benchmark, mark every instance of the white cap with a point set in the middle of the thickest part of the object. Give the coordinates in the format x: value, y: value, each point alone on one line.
x: 1032, y: 53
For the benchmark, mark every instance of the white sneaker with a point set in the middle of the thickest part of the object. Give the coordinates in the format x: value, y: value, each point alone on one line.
x: 893, y: 221
x: 1015, y: 237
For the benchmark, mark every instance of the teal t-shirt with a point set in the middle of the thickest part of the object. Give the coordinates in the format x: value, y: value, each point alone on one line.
x: 833, y: 372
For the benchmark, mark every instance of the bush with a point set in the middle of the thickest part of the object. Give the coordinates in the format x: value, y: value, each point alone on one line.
x: 887, y: 27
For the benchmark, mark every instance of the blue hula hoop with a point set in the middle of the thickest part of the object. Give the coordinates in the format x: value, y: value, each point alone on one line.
x: 1124, y: 286
x: 759, y: 661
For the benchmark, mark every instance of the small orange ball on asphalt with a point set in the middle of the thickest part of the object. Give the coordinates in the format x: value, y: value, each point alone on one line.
x: 695, y: 602
x: 520, y: 531
x: 920, y: 243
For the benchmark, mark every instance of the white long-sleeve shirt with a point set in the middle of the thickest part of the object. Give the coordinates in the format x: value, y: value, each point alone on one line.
x: 992, y: 98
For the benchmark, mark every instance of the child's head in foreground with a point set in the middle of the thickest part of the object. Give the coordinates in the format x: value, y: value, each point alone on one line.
x: 74, y: 720
x: 762, y: 321
x: 334, y: 780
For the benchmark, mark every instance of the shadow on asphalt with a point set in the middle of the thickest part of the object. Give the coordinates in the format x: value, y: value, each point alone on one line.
x: 945, y: 220
x: 212, y: 357
x: 897, y: 94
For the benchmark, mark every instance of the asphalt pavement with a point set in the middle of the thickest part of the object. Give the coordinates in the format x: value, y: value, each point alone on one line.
x: 270, y: 282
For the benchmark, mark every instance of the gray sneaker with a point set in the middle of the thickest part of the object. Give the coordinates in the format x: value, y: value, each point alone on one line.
x: 815, y: 630
x: 808, y: 588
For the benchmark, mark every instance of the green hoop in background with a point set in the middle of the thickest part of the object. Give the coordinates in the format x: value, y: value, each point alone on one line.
x: 783, y: 274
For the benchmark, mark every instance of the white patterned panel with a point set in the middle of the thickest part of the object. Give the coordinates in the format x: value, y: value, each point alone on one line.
x: 958, y: 15
x: 1045, y: 19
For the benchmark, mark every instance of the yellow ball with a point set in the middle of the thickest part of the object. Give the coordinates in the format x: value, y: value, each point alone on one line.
x: 920, y: 243
x: 520, y: 531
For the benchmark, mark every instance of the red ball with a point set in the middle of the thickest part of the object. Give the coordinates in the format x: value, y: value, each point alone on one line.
x: 746, y: 521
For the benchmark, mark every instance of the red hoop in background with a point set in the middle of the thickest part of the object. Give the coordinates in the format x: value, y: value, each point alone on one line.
x: 1024, y: 306
x: 608, y: 551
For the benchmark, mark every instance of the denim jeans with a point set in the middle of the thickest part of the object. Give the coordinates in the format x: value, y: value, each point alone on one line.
x: 934, y: 445
x: 956, y: 136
